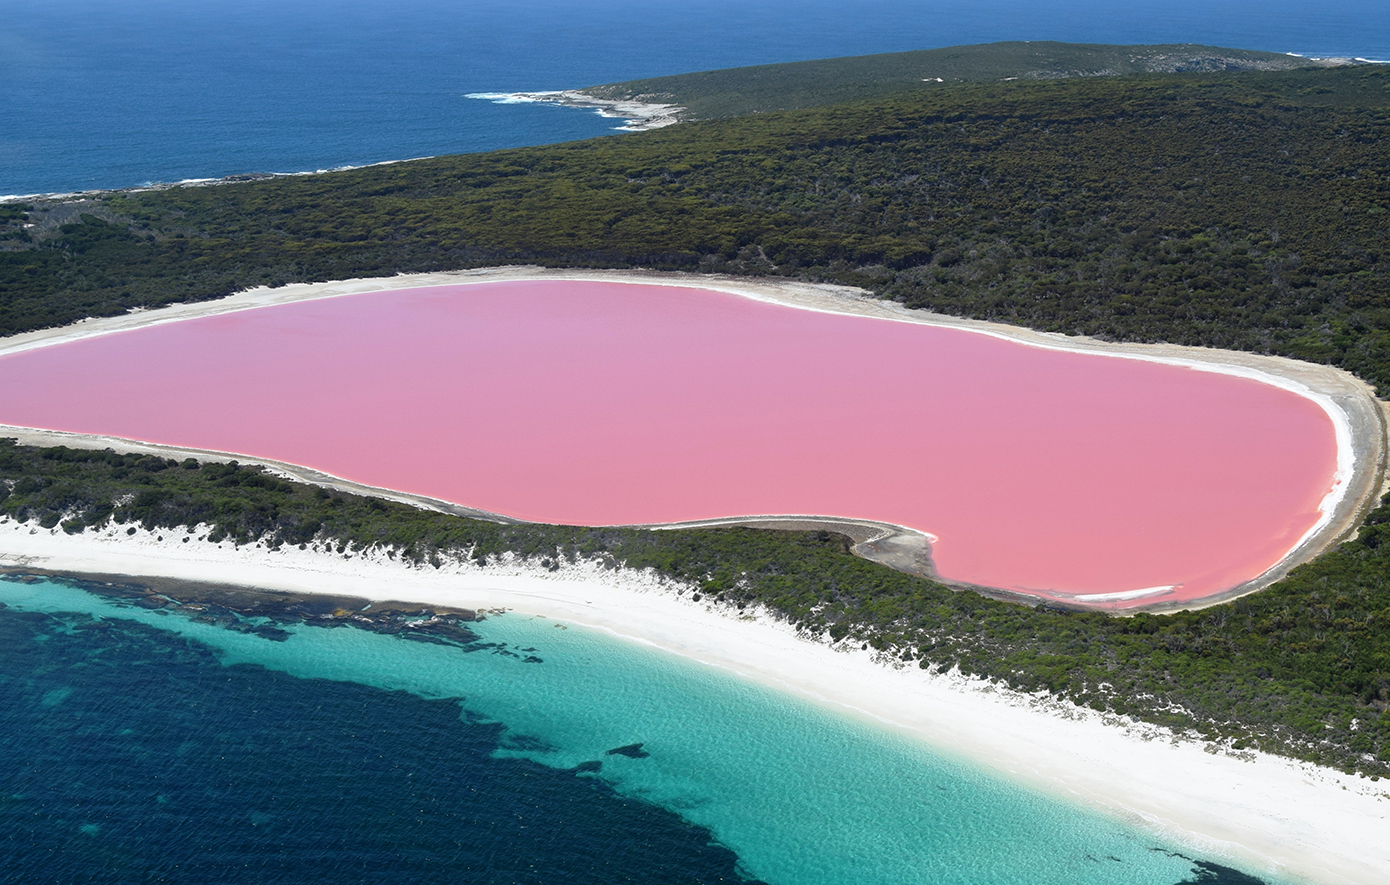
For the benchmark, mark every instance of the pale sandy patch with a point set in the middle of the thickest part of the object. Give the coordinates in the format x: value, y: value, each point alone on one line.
x: 637, y: 116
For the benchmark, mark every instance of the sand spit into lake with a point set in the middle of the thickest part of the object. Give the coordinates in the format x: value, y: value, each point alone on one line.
x: 1268, y: 814
x: 1348, y: 403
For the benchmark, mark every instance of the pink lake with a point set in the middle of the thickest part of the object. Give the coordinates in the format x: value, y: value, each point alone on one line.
x: 1051, y: 473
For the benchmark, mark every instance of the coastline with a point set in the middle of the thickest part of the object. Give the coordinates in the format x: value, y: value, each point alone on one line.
x: 1270, y: 814
x: 1358, y: 418
x: 237, y: 178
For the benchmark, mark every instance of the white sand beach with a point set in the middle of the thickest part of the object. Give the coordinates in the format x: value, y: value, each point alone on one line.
x: 1265, y: 813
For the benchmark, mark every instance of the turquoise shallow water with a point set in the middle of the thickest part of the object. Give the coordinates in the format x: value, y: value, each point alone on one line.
x: 799, y: 794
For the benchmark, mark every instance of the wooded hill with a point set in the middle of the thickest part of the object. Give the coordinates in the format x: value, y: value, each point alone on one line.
x: 733, y: 92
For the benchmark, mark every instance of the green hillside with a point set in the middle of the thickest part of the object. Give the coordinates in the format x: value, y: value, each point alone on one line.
x: 730, y: 92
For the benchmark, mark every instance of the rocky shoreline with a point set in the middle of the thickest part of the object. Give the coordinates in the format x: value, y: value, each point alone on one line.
x: 637, y: 115
x: 265, y: 613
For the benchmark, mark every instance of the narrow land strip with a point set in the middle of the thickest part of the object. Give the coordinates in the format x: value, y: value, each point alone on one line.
x: 1274, y: 814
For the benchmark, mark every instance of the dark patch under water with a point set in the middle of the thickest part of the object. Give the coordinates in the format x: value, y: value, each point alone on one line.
x: 1205, y: 872
x: 133, y: 755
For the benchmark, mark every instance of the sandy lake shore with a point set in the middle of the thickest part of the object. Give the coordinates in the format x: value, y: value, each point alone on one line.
x: 1265, y: 813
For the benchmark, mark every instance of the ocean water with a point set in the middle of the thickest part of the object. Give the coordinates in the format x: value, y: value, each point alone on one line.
x: 109, y: 93
x: 143, y: 746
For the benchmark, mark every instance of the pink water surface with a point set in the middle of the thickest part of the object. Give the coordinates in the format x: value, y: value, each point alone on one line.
x: 595, y: 403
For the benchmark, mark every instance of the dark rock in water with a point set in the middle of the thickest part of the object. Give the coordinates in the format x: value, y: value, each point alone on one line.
x: 230, y: 607
x: 591, y: 765
x: 226, y: 606
x: 416, y: 610
x: 632, y: 751
x: 268, y: 631
x: 1207, y: 873
x: 444, y: 629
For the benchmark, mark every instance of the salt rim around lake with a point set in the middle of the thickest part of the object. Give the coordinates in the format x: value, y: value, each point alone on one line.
x: 1271, y: 815
x: 1355, y: 416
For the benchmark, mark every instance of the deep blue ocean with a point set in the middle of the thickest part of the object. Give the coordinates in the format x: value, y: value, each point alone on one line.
x: 116, y: 93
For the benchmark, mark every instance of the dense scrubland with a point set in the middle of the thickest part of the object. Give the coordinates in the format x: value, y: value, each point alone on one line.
x: 733, y: 92
x: 1243, y: 211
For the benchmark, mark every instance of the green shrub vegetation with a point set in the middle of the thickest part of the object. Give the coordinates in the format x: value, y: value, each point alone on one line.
x: 731, y: 92
x: 1302, y: 668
